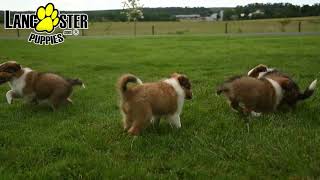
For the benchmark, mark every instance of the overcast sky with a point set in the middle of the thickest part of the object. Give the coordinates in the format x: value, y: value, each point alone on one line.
x: 116, y: 4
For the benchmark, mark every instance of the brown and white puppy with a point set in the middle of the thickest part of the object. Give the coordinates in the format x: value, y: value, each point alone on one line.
x: 146, y: 103
x: 36, y: 87
x: 251, y: 95
x: 292, y: 93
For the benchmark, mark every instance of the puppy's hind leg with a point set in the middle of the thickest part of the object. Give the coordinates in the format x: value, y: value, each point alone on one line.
x: 56, y: 100
x: 142, y: 118
x: 235, y: 106
x: 126, y: 122
x: 33, y: 101
x: 155, y: 121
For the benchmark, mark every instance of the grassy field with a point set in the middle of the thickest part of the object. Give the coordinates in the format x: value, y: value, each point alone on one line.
x: 308, y: 24
x: 86, y: 140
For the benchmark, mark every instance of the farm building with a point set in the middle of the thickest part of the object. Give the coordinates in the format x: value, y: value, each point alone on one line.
x: 215, y: 16
x: 189, y: 17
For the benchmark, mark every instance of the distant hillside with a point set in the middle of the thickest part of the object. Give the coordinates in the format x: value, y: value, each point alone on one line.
x: 150, y: 14
x: 250, y: 11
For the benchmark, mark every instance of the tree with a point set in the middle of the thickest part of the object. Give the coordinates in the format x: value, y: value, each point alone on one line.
x: 133, y: 11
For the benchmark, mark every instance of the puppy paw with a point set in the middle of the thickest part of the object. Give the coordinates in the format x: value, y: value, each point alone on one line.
x: 134, y: 131
x: 9, y: 97
x: 175, y: 121
x: 255, y: 114
x: 126, y: 127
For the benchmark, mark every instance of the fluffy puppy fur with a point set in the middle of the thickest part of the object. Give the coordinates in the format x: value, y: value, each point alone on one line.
x: 36, y: 87
x: 146, y: 103
x: 292, y: 93
x: 251, y: 95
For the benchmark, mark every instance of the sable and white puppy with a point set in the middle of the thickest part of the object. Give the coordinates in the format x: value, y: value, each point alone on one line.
x: 251, y: 95
x: 146, y: 103
x: 36, y: 87
x: 292, y: 93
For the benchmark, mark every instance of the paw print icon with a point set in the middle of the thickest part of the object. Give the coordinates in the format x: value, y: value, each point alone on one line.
x: 48, y: 18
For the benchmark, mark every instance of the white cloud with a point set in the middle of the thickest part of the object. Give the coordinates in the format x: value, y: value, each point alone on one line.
x: 116, y: 4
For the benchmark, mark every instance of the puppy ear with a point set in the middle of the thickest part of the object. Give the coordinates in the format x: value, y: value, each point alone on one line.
x: 256, y: 70
x: 14, y: 68
x: 285, y: 83
x: 262, y: 65
x: 174, y: 75
x: 184, y: 82
x: 5, y: 76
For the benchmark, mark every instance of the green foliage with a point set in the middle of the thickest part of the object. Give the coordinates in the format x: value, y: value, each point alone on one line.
x: 284, y: 23
x: 275, y: 10
x: 86, y: 140
x: 150, y: 14
x: 106, y: 15
x: 132, y: 9
x: 1, y: 16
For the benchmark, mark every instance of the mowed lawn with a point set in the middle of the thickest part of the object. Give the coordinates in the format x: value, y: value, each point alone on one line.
x: 86, y: 140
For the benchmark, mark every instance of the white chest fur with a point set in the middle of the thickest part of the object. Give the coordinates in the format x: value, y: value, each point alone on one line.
x: 180, y: 92
x: 17, y: 84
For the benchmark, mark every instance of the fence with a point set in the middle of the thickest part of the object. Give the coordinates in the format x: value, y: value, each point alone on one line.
x: 190, y: 27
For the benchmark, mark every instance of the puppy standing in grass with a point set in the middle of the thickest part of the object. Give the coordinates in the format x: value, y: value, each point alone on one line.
x: 146, y: 103
x: 36, y: 87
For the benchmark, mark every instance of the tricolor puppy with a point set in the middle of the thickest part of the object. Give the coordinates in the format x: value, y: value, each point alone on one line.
x: 36, y: 87
x: 146, y: 103
x: 292, y: 93
x: 251, y: 95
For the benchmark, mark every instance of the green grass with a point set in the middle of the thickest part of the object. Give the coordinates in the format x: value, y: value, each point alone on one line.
x: 308, y: 24
x: 86, y: 140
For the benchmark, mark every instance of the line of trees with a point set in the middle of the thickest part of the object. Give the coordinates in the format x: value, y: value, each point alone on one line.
x: 150, y: 14
x: 275, y: 10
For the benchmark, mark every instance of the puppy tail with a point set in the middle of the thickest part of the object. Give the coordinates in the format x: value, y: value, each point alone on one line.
x: 309, y: 91
x: 76, y: 82
x: 125, y: 79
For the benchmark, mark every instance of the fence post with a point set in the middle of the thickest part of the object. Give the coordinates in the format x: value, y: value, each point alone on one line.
x: 135, y: 28
x: 226, y: 28
x: 299, y: 26
x: 152, y: 29
x: 18, y: 33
